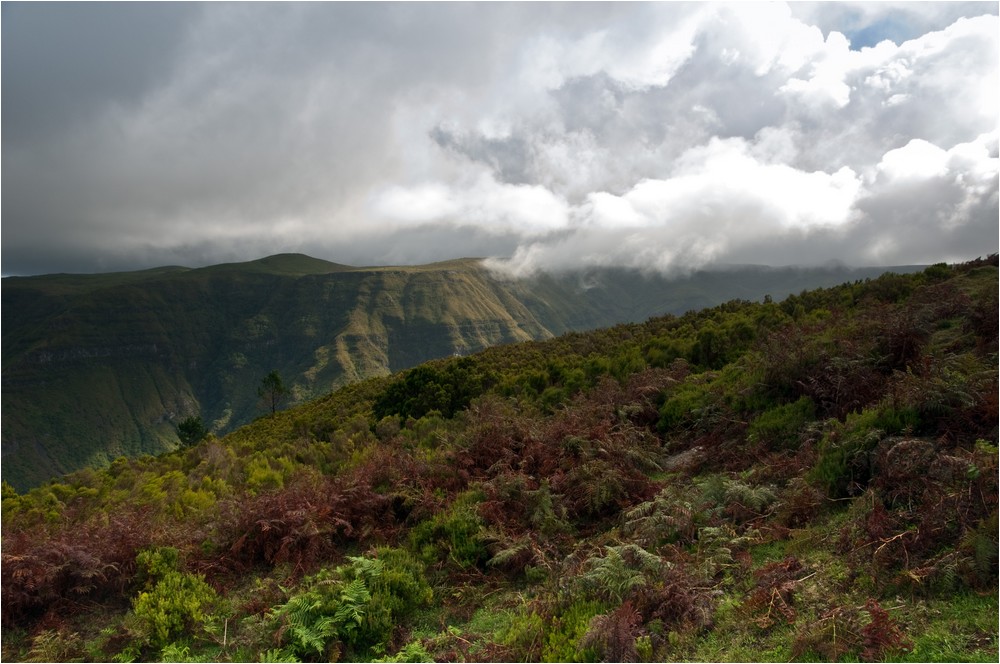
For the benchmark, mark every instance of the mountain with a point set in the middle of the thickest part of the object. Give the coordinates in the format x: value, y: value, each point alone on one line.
x: 101, y: 366
x: 814, y: 479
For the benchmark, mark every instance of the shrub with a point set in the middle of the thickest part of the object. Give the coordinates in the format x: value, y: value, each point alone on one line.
x: 684, y: 406
x: 178, y: 603
x: 397, y: 587
x: 564, y: 640
x: 454, y: 535
x: 525, y: 634
x: 778, y: 427
x: 357, y: 606
x: 843, y: 465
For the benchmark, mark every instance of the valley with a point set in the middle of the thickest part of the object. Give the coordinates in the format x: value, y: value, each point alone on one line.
x: 101, y: 366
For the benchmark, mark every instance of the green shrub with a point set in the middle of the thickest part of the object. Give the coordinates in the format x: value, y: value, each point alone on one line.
x: 778, y: 428
x: 525, y: 634
x: 356, y: 606
x: 684, y: 406
x: 397, y: 587
x: 842, y: 466
x: 411, y: 652
x: 177, y: 604
x: 154, y: 564
x: 454, y: 535
x: 567, y: 629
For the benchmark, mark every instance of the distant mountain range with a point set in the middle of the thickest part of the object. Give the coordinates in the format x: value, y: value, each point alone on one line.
x: 105, y: 365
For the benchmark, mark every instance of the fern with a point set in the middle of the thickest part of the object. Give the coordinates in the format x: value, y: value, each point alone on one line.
x: 307, y: 621
x: 615, y: 634
x: 413, y: 651
x: 278, y: 655
x: 620, y: 571
x: 753, y: 498
x: 882, y: 635
x: 516, y: 554
x: 669, y: 517
x: 716, y: 546
x: 351, y: 612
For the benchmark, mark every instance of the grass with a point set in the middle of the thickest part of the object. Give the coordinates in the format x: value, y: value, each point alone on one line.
x: 961, y: 628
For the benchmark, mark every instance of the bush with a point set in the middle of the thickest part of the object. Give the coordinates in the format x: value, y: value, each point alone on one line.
x: 563, y: 642
x: 778, y: 428
x: 357, y: 606
x: 685, y: 406
x: 177, y: 604
x: 397, y: 587
x: 843, y: 466
x: 454, y: 535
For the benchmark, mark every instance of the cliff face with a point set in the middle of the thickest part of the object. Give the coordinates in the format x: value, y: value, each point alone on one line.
x: 99, y: 366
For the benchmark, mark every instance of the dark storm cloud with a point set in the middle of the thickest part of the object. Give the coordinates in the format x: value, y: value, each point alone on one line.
x: 62, y: 62
x: 660, y: 135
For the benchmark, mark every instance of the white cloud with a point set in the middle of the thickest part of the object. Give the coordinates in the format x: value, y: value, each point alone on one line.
x: 719, y: 199
x: 495, y: 207
x: 661, y: 135
x: 917, y: 160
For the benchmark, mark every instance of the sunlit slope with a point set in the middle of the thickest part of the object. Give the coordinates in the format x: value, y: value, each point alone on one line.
x: 99, y: 366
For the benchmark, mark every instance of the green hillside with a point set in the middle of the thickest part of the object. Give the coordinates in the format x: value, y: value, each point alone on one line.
x: 814, y: 479
x: 101, y: 366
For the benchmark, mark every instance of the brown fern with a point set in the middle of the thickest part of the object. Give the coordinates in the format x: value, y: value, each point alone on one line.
x: 882, y: 636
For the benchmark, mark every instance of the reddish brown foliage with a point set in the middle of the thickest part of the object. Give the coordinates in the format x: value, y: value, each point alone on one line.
x: 89, y: 562
x: 882, y: 635
x: 614, y: 634
x: 297, y: 524
x: 676, y: 600
x: 773, y: 598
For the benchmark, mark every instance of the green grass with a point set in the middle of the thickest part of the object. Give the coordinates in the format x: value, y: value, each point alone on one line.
x: 962, y: 628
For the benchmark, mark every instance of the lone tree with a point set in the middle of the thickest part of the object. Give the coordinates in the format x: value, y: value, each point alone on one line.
x: 191, y: 430
x: 272, y: 390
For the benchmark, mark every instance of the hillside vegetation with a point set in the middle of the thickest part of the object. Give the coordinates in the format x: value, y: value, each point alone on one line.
x: 814, y: 479
x: 101, y: 366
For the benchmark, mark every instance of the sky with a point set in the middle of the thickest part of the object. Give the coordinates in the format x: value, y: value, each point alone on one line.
x: 662, y: 136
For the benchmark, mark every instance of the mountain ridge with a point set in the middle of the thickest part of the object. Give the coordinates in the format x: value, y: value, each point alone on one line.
x: 100, y: 366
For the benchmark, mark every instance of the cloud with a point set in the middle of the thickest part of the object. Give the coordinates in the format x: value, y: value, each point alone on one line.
x: 656, y: 135
x: 484, y: 203
x: 720, y: 197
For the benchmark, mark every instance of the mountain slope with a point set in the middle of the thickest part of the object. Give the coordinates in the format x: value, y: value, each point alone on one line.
x: 809, y: 480
x: 100, y: 366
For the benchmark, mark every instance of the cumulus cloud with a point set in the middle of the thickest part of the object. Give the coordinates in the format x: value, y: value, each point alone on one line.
x: 662, y: 136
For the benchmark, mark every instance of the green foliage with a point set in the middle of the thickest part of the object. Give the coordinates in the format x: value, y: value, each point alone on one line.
x: 525, y: 634
x: 191, y: 430
x: 397, y: 588
x: 446, y: 389
x: 619, y: 572
x: 778, y: 427
x: 685, y: 405
x: 414, y: 651
x: 842, y: 466
x: 306, y: 622
x: 155, y: 564
x: 356, y: 606
x: 563, y: 640
x: 176, y: 605
x: 455, y: 536
x: 272, y: 390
